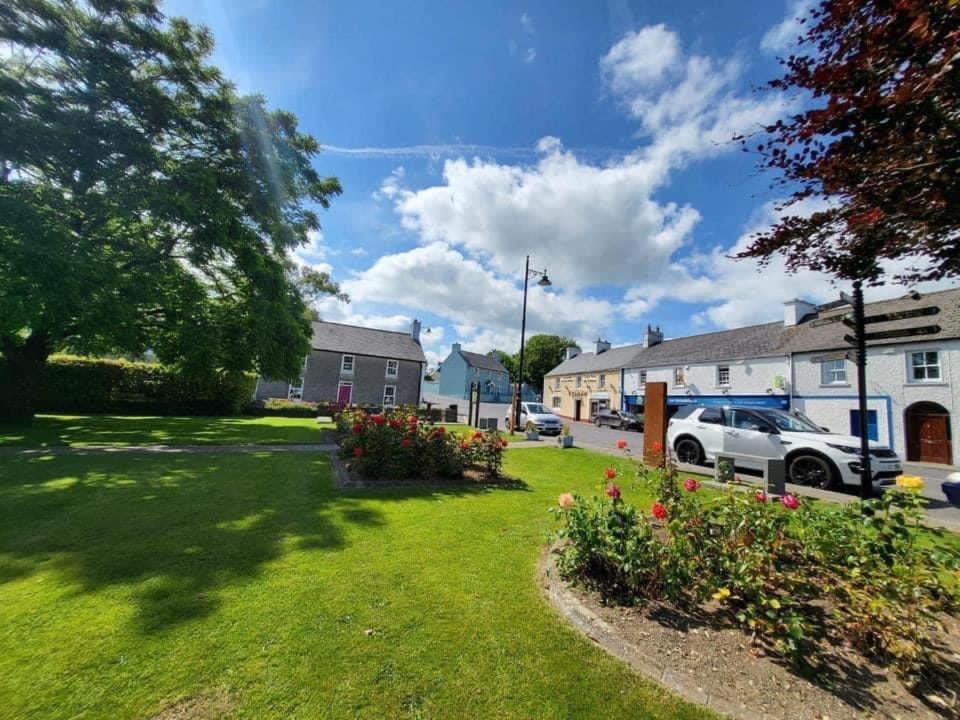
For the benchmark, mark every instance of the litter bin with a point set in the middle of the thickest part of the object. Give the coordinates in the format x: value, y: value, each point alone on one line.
x: 951, y: 488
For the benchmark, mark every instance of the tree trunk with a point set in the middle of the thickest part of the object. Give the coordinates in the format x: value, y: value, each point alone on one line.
x: 20, y: 369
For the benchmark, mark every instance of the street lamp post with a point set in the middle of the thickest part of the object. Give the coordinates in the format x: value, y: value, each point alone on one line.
x: 543, y: 282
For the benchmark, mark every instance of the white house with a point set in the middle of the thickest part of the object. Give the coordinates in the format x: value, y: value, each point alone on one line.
x: 803, y: 363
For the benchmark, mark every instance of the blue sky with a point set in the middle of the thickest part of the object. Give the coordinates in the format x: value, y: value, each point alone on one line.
x: 593, y: 136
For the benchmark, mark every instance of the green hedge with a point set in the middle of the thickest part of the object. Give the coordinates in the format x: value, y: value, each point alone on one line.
x: 95, y: 385
x: 280, y: 407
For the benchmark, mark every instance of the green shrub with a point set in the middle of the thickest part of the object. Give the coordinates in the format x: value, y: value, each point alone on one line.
x: 97, y: 385
x: 792, y: 573
x: 281, y: 407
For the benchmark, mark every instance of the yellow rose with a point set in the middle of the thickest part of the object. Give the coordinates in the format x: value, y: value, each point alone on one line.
x: 721, y: 594
x: 910, y: 482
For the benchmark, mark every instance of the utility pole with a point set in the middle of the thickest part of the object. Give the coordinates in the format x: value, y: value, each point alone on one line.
x: 866, y: 477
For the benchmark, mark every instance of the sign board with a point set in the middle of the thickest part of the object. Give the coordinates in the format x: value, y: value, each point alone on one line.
x: 827, y: 357
x: 780, y: 402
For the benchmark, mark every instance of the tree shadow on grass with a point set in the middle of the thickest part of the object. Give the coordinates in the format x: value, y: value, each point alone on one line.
x: 177, y: 529
x: 174, y: 529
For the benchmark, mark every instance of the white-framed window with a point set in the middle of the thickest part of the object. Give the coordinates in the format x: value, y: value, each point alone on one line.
x: 925, y: 366
x: 579, y: 381
x: 679, y: 377
x: 723, y: 376
x: 393, y: 368
x: 295, y: 392
x: 556, y: 401
x: 643, y: 378
x: 602, y: 382
x: 833, y: 372
x: 556, y: 383
x: 389, y: 395
x: 346, y: 364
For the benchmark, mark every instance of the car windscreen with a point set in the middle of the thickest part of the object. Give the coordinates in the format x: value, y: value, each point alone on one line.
x: 788, y: 422
x: 537, y: 409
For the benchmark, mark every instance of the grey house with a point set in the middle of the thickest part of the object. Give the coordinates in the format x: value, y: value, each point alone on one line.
x: 356, y: 365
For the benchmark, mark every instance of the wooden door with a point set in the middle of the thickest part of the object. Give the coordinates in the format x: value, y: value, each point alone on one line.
x: 933, y: 443
x: 576, y: 409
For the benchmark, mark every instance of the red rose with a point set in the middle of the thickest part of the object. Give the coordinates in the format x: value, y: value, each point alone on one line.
x: 440, y: 431
x: 691, y: 485
x: 396, y: 424
x: 613, y: 492
x: 406, y: 442
x: 659, y: 511
x: 358, y: 452
x: 477, y: 436
x: 378, y: 419
x: 464, y: 445
x: 760, y: 496
x: 610, y: 473
x: 621, y: 444
x: 357, y: 428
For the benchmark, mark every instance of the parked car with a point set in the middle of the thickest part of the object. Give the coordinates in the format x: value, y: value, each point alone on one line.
x: 617, y: 419
x: 545, y: 421
x: 813, y: 456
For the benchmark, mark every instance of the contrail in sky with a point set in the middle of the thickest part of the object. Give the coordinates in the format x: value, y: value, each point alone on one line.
x: 457, y: 149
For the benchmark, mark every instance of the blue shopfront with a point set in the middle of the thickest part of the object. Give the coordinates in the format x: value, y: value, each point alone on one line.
x: 634, y: 403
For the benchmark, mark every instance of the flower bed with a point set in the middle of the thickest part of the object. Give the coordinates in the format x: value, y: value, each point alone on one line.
x: 796, y: 575
x: 398, y: 445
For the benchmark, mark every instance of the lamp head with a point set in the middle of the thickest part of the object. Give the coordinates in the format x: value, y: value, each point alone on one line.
x: 544, y: 281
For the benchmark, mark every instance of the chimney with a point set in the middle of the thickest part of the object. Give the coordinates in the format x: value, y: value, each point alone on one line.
x: 455, y: 347
x: 415, y: 331
x: 602, y: 346
x: 571, y: 352
x: 653, y: 336
x: 794, y: 311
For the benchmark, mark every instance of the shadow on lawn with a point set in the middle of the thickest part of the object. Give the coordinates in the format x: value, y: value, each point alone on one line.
x: 52, y: 431
x: 175, y: 530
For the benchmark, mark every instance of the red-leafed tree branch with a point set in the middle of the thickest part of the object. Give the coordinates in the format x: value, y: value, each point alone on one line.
x: 878, y: 147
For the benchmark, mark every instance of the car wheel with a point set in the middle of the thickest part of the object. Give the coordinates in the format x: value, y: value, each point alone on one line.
x: 813, y: 471
x: 689, y: 451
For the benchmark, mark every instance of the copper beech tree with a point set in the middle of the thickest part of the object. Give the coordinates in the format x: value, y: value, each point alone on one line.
x: 876, y: 149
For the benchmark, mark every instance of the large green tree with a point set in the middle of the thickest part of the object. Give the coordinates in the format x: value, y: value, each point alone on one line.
x: 542, y: 353
x: 143, y: 203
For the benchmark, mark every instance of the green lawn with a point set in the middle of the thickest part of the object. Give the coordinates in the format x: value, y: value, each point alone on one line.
x: 249, y: 584
x: 81, y: 430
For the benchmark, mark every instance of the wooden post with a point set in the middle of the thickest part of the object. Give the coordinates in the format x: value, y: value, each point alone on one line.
x: 655, y: 422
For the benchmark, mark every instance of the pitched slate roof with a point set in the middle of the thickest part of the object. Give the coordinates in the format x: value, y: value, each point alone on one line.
x: 819, y: 332
x: 484, y: 362
x: 336, y: 337
x: 825, y: 331
x: 612, y: 359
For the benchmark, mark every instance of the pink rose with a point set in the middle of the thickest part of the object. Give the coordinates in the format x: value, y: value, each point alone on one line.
x: 566, y: 501
x: 613, y: 492
x: 691, y: 485
x: 790, y: 501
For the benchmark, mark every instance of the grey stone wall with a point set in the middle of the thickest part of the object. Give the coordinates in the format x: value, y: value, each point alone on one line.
x: 369, y: 377
x: 267, y: 389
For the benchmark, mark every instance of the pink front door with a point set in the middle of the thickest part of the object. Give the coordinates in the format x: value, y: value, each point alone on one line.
x: 344, y: 392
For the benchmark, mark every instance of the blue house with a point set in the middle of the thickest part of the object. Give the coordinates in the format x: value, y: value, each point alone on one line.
x: 462, y: 368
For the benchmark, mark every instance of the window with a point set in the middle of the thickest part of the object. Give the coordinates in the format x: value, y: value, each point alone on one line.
x: 556, y: 401
x: 295, y: 392
x: 925, y: 366
x: 723, y: 376
x: 602, y: 381
x: 833, y: 372
x: 389, y: 395
x: 873, y: 429
x: 579, y: 381
x: 346, y: 364
x: 393, y: 368
x: 711, y: 415
x: 679, y: 379
x: 556, y: 383
x: 643, y: 378
x: 745, y: 420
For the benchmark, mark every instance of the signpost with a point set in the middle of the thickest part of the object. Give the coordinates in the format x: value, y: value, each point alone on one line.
x: 859, y: 340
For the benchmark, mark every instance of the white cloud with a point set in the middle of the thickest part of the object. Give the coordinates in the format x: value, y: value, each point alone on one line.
x: 438, y: 279
x: 641, y: 58
x: 740, y: 292
x: 314, y: 253
x: 526, y: 22
x: 784, y: 34
x: 530, y: 56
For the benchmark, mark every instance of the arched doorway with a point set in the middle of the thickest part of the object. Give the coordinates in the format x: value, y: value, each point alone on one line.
x: 928, y: 433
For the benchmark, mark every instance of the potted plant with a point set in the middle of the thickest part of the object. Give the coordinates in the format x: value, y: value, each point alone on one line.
x: 565, y: 440
x: 531, y: 429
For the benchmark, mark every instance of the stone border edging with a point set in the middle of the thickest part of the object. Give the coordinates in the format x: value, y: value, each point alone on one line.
x: 603, y: 634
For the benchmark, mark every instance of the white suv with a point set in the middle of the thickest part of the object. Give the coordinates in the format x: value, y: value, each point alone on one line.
x: 814, y: 455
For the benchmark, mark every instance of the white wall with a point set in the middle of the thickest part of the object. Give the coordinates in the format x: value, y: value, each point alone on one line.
x: 887, y: 385
x: 747, y: 377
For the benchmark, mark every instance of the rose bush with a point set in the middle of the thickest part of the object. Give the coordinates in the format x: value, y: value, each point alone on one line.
x: 793, y: 573
x: 396, y: 444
